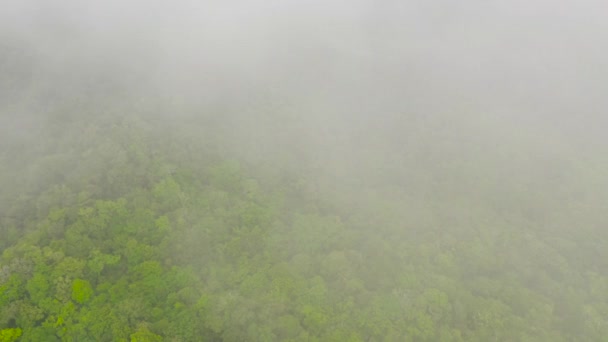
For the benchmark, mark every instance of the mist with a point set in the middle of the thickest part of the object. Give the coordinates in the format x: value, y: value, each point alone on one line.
x: 437, y: 154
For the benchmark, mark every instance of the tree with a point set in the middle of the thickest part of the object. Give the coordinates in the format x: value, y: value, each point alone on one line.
x: 81, y: 291
x: 10, y: 334
x: 143, y: 334
x: 38, y: 287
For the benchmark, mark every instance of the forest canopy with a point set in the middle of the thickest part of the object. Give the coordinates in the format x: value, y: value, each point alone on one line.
x: 220, y: 176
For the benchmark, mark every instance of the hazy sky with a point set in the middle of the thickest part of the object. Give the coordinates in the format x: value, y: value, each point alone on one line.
x: 543, y: 61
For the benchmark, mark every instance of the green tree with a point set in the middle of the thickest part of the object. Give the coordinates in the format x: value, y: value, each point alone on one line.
x: 10, y: 334
x: 143, y: 334
x: 81, y: 291
x: 38, y: 287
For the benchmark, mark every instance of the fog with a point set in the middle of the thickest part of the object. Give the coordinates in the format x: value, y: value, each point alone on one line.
x: 471, y: 112
x: 339, y: 64
x: 524, y: 58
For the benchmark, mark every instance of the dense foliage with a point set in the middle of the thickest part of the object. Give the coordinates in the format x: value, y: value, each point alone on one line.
x: 136, y: 246
x: 127, y: 220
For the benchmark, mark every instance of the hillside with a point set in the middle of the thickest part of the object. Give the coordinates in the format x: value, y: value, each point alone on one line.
x: 327, y: 176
